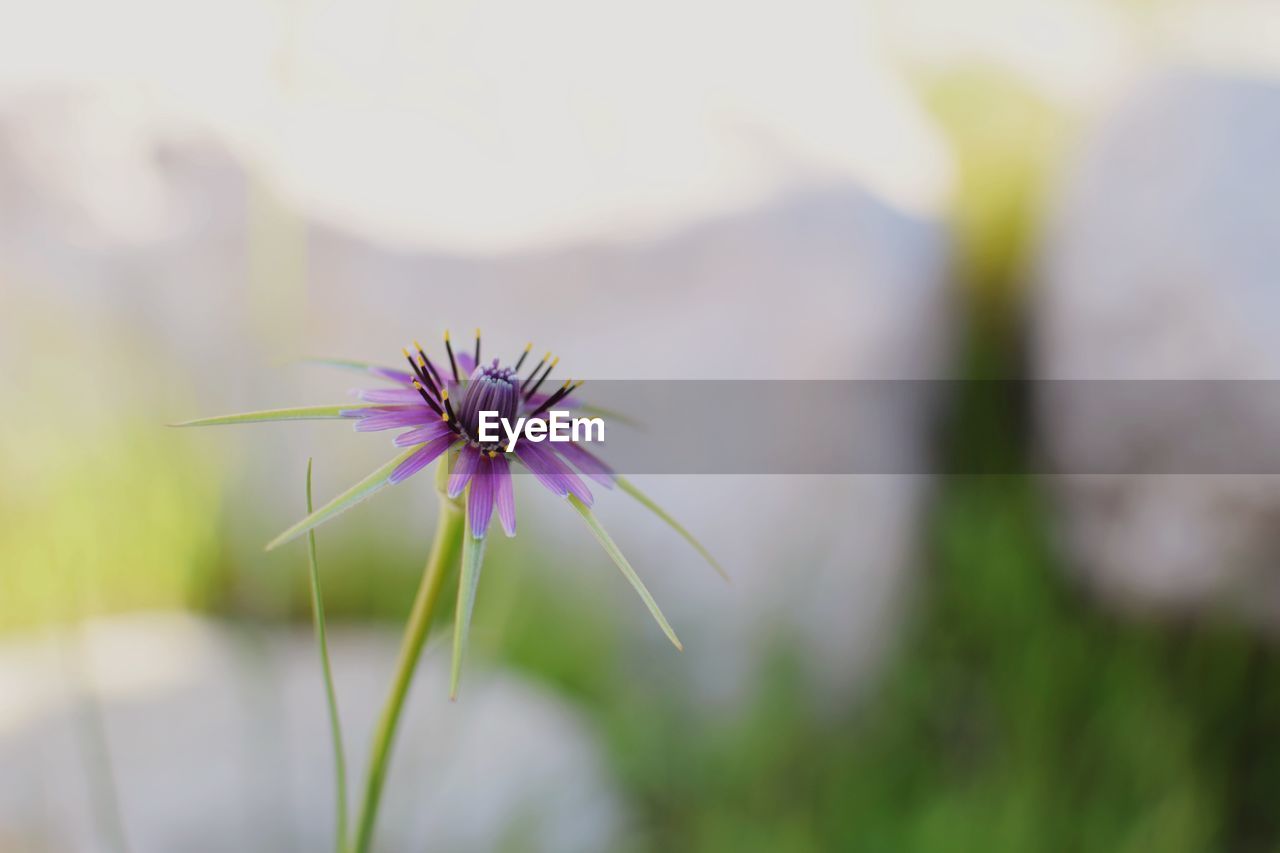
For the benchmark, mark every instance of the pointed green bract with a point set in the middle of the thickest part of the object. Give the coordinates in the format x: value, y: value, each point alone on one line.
x: 468, y: 581
x: 301, y: 413
x: 343, y: 502
x: 630, y: 488
x: 606, y: 541
x: 351, y: 364
x: 330, y: 695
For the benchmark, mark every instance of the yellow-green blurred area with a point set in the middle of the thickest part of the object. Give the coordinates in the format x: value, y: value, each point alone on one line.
x: 103, y: 511
x: 1010, y: 708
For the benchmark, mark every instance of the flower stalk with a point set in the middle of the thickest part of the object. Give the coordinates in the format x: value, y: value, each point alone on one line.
x: 444, y: 554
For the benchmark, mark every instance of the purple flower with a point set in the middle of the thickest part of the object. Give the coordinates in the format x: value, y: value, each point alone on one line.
x: 440, y: 404
x: 437, y: 405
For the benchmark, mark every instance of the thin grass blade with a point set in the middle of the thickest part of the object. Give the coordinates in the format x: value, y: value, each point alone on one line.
x: 379, y: 370
x: 468, y: 582
x: 301, y: 413
x: 362, y: 490
x: 606, y: 541
x: 330, y: 694
x: 647, y: 502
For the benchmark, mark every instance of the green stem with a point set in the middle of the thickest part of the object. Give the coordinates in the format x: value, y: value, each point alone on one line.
x: 330, y: 694
x: 444, y: 554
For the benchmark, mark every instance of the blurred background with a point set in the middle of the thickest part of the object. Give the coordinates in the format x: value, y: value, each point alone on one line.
x: 196, y: 197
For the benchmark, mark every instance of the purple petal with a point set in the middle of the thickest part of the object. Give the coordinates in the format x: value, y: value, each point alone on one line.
x: 389, y: 395
x: 421, y: 459
x: 466, y: 364
x: 587, y: 463
x: 395, y: 418
x: 551, y: 472
x: 504, y: 494
x: 394, y: 375
x: 431, y: 431
x: 462, y: 470
x: 480, y: 498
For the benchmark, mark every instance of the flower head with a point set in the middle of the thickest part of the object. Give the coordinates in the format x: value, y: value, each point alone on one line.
x: 438, y: 405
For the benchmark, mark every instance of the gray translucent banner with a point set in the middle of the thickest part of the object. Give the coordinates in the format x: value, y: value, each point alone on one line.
x: 897, y: 426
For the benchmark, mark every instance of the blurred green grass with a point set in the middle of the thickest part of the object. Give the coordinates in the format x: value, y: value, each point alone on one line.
x: 1014, y: 714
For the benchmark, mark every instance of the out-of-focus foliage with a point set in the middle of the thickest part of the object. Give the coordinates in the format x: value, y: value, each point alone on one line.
x: 1004, y: 137
x: 1016, y: 715
x: 101, y: 509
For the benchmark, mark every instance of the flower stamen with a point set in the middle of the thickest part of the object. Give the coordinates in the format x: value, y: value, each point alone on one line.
x: 448, y: 408
x: 523, y: 355
x: 563, y: 391
x: 430, y: 402
x: 536, y: 368
x: 420, y: 370
x: 422, y: 355
x: 423, y: 365
x: 453, y: 362
x: 545, y: 374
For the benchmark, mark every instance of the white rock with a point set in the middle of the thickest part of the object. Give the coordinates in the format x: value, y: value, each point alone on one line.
x: 219, y: 740
x: 1161, y: 265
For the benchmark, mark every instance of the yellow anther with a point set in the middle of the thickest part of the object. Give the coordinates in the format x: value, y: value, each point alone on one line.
x: 418, y: 345
x: 547, y: 356
x: 444, y: 416
x: 444, y: 393
x: 446, y: 334
x: 528, y: 346
x: 492, y: 453
x: 422, y: 362
x: 477, y: 331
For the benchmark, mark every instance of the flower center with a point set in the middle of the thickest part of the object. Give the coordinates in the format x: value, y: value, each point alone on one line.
x: 492, y: 388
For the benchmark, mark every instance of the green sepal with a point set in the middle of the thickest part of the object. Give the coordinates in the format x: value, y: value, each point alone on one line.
x: 300, y: 413
x: 606, y: 541
x: 647, y: 502
x: 343, y: 502
x: 468, y: 582
x: 358, y: 366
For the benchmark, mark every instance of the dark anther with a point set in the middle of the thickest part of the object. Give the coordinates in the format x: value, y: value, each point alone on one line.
x: 543, y: 378
x: 430, y: 402
x: 453, y: 362
x: 562, y: 392
x: 523, y: 355
x: 534, y: 372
